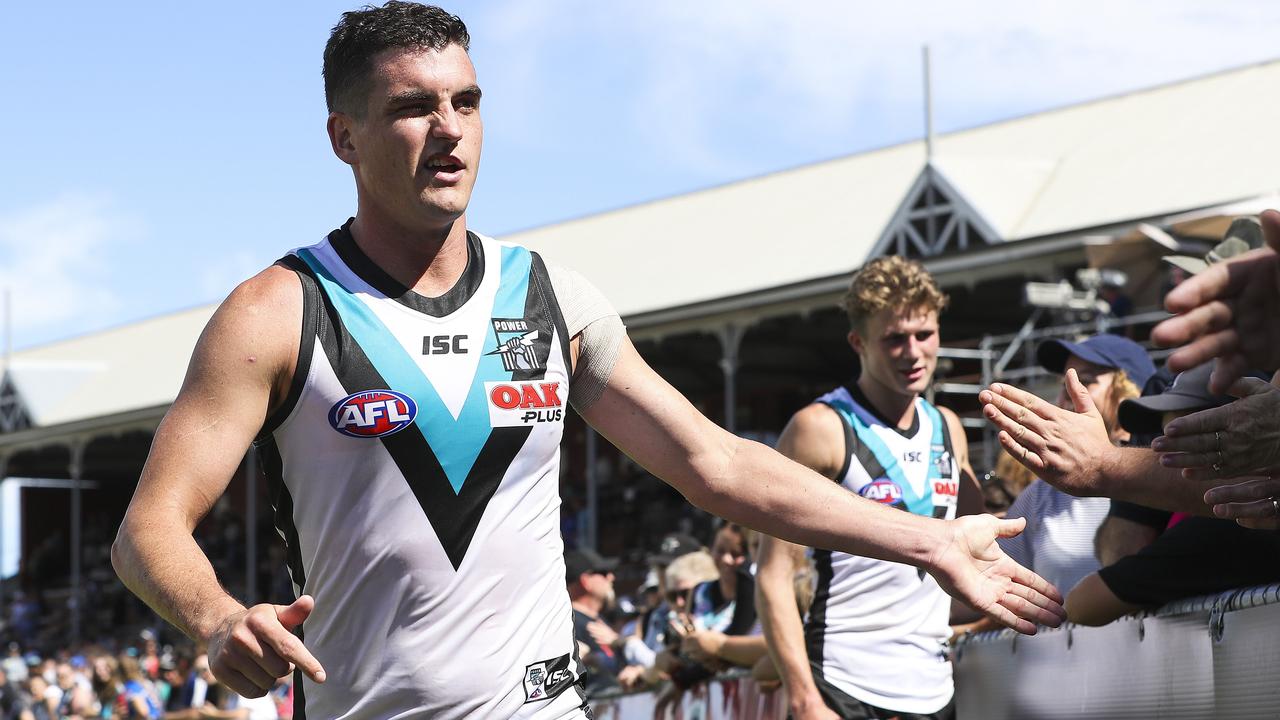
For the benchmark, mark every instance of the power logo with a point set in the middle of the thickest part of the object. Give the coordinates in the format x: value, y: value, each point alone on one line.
x: 521, y: 403
x: 372, y: 413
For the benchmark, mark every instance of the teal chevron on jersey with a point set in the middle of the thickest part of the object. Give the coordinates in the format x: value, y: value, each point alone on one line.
x: 918, y: 504
x: 456, y: 443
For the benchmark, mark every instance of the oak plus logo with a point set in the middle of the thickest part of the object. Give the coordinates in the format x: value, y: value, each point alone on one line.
x: 521, y: 403
x: 521, y: 346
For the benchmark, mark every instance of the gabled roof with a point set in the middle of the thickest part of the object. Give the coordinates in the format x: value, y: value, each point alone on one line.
x: 1146, y: 154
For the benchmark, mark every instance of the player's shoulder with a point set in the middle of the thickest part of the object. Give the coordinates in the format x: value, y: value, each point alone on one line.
x: 272, y: 295
x: 262, y: 315
x: 817, y: 418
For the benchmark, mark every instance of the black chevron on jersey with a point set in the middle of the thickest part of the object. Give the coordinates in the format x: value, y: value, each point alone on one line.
x: 453, y: 516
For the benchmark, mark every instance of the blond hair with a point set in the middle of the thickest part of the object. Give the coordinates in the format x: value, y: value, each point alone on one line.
x: 695, y: 567
x: 891, y: 282
x: 1122, y: 388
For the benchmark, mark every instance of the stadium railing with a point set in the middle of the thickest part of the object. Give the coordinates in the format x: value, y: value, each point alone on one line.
x: 1208, y: 657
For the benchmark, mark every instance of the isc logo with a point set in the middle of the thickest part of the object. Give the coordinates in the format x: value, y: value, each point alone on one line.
x: 373, y: 413
x: 514, y: 404
x: 882, y: 491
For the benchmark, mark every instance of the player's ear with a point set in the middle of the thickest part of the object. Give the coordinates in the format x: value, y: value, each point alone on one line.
x: 339, y: 126
x: 855, y: 341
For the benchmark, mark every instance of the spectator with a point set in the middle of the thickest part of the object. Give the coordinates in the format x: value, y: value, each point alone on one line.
x: 673, y: 546
x: 140, y: 697
x: 1058, y: 543
x: 8, y: 697
x: 14, y: 665
x: 589, y: 578
x: 1195, y: 556
x: 725, y: 607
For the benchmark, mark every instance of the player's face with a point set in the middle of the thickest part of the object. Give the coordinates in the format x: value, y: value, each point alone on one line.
x: 416, y: 151
x: 899, y: 349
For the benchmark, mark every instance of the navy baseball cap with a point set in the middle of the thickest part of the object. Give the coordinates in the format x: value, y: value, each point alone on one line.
x: 1111, y: 351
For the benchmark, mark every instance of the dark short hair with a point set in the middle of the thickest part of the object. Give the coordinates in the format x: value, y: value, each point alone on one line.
x: 362, y: 34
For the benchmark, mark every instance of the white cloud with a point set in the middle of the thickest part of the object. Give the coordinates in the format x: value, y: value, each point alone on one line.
x: 715, y: 85
x: 55, y: 260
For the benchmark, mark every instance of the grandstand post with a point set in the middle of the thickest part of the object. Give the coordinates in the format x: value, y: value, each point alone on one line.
x: 730, y: 336
x: 76, y: 470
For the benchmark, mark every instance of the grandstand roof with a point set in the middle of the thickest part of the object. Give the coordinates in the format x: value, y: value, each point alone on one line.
x: 1145, y: 154
x: 1111, y: 163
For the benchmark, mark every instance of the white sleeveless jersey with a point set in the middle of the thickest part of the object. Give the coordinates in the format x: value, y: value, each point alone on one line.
x: 414, y: 471
x: 877, y: 630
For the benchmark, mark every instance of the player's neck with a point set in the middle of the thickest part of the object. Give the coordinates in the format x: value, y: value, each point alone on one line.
x: 893, y: 406
x: 427, y: 261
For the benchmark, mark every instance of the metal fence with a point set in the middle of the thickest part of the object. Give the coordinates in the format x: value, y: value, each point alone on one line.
x: 1210, y: 657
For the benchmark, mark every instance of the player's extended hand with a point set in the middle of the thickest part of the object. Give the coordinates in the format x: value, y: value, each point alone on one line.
x: 253, y: 647
x: 1237, y: 439
x: 973, y: 568
x: 1064, y: 448
x: 1250, y: 503
x: 1229, y: 311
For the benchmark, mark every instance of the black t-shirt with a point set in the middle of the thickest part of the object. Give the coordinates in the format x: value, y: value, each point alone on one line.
x: 1198, y: 556
x: 603, y: 663
x: 744, y: 600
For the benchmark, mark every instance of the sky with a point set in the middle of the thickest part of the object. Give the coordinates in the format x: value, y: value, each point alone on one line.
x: 158, y: 153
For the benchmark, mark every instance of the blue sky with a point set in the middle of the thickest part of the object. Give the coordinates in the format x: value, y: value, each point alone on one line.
x: 157, y: 153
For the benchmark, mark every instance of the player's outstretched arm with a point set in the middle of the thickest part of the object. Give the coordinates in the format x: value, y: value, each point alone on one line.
x: 240, y: 366
x: 751, y: 484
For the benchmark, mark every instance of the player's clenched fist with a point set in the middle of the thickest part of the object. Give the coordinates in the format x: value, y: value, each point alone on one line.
x: 253, y: 647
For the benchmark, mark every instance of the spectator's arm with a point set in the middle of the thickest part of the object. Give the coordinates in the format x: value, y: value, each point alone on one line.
x: 1119, y: 537
x: 1091, y: 602
x: 743, y: 650
x: 637, y: 653
x: 1072, y: 451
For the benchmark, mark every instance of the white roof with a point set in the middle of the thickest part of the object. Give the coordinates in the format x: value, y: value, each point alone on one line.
x: 1148, y: 154
x: 135, y: 366
x: 1191, y: 144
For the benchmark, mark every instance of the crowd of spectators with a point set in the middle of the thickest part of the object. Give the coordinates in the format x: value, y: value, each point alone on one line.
x: 141, y: 680
x: 688, y: 611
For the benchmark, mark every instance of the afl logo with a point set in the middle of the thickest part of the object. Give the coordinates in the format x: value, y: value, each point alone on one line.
x: 373, y: 413
x: 882, y: 491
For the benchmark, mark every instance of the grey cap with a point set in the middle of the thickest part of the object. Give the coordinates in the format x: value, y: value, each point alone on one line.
x: 1189, y: 391
x: 1245, y: 234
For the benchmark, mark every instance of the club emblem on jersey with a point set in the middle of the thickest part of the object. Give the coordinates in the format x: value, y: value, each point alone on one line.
x: 373, y: 413
x: 883, y: 491
x: 546, y: 679
x: 520, y: 345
